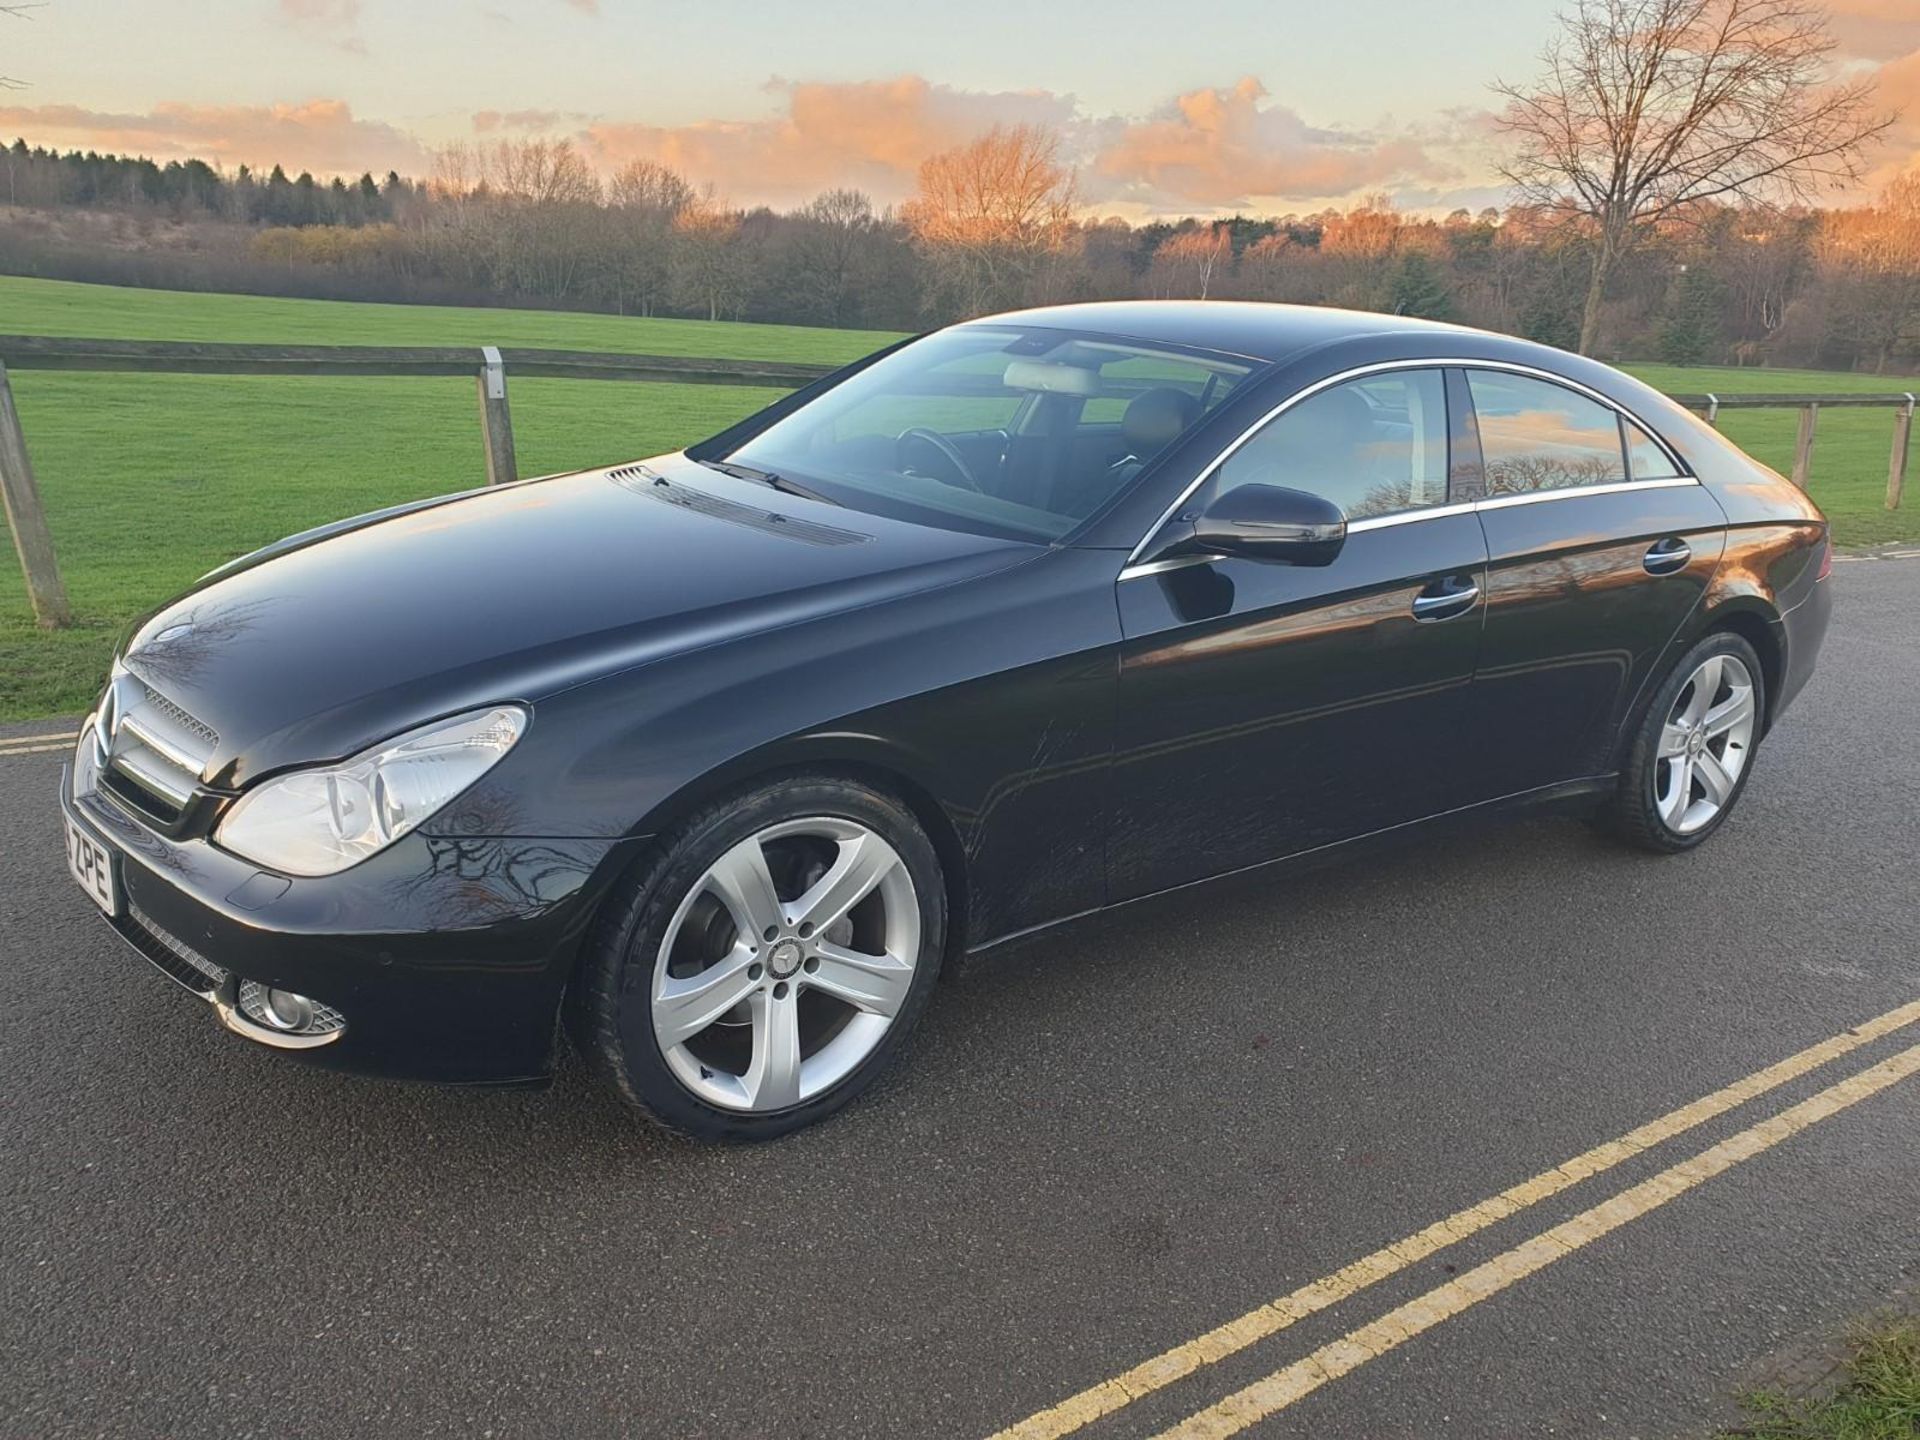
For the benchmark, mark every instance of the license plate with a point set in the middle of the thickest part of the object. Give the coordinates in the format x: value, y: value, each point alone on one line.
x: 92, y: 865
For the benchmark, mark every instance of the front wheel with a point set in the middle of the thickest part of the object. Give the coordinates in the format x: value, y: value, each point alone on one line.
x: 764, y: 968
x: 1693, y: 754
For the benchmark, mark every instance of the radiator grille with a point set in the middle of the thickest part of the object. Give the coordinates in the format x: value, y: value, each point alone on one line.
x: 153, y: 752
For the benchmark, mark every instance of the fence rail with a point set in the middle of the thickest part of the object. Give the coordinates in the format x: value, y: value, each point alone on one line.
x: 1810, y: 407
x: 489, y: 366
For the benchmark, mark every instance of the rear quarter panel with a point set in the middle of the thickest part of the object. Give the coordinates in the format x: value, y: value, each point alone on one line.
x: 1769, y: 570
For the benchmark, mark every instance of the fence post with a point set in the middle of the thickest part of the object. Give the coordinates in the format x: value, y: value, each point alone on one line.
x: 31, y: 540
x: 496, y: 420
x: 1803, y: 451
x: 1713, y: 411
x: 1897, y: 464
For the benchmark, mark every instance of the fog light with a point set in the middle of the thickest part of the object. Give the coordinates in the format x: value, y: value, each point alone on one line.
x: 285, y: 1010
x: 296, y: 1021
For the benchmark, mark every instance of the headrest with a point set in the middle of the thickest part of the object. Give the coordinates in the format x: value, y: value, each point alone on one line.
x: 1154, y: 417
x: 1339, y: 416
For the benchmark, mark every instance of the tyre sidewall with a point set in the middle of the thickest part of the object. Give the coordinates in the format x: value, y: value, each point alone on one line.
x: 623, y: 1025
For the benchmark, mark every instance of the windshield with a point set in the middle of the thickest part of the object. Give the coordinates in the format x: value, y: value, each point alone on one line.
x: 995, y: 429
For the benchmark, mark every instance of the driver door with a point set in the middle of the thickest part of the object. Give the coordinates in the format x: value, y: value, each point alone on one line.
x: 1269, y: 709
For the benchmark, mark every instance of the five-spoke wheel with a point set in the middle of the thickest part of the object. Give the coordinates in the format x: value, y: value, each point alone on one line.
x: 1693, y: 752
x: 1705, y: 744
x: 759, y: 974
x: 786, y: 963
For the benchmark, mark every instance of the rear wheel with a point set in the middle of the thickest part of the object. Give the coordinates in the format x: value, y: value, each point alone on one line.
x: 764, y: 969
x: 1690, y: 762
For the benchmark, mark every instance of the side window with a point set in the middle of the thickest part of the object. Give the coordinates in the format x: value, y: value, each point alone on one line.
x: 1376, y: 446
x: 1646, y: 459
x: 1536, y: 435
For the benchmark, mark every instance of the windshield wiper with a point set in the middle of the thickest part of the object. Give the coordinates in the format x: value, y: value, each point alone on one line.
x: 770, y: 480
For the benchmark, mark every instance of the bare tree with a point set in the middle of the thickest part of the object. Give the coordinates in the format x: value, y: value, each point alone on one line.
x: 1872, y: 258
x: 1357, y: 248
x: 18, y: 12
x: 1189, y: 261
x: 830, y: 244
x: 1648, y: 107
x: 520, y: 213
x: 709, y: 263
x: 990, y: 215
x: 644, y: 198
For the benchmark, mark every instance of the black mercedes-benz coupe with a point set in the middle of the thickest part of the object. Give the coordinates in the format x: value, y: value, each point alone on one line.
x: 712, y: 759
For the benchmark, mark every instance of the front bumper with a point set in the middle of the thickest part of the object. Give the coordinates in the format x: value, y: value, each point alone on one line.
x: 446, y: 958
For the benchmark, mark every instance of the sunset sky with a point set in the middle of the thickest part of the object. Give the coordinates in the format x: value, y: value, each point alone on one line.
x: 1264, y: 105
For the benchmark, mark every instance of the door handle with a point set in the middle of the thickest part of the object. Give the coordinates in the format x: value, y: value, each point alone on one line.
x: 1667, y: 556
x: 1445, y: 598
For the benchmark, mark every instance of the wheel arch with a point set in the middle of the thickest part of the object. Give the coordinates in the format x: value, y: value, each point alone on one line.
x: 1752, y: 618
x: 864, y: 759
x: 1759, y: 627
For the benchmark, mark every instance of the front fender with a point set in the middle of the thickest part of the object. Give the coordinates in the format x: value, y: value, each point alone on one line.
x: 992, y: 697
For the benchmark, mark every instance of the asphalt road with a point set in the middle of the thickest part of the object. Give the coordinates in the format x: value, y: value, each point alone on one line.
x: 1101, y: 1148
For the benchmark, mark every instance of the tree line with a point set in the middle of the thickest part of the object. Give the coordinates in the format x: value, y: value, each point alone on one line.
x: 1663, y: 166
x: 530, y: 223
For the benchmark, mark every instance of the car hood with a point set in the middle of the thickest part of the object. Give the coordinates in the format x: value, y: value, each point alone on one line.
x: 319, y: 646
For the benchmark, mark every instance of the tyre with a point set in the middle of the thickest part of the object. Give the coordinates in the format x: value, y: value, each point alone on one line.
x: 766, y: 965
x: 1690, y: 760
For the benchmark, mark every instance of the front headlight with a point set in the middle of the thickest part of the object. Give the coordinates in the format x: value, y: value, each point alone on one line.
x: 319, y: 822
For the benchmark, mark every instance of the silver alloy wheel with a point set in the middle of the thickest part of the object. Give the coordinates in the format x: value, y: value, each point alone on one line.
x: 785, y: 964
x: 1705, y: 744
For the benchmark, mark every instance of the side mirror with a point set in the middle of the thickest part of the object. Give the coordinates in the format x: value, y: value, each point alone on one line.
x: 1269, y: 522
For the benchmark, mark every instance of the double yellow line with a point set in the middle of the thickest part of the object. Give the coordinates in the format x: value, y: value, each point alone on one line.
x: 34, y: 744
x: 1293, y: 1382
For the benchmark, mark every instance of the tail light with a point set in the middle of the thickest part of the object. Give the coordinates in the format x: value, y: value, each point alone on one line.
x: 1826, y: 556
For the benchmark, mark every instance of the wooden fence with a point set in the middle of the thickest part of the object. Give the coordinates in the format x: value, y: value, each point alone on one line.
x: 489, y: 365
x: 1810, y: 407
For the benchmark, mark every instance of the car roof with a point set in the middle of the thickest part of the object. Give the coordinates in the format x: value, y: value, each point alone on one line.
x: 1247, y: 328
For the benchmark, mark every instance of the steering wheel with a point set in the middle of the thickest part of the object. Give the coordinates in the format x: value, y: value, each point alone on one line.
x: 963, y: 477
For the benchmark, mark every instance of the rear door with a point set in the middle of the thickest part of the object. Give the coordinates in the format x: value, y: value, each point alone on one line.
x: 1598, y: 546
x: 1266, y: 709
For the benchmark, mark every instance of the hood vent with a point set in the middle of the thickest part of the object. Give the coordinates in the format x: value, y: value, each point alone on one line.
x: 654, y: 486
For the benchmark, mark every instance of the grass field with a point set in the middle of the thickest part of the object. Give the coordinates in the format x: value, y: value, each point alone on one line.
x: 59, y: 307
x: 1850, y: 447
x: 151, y: 480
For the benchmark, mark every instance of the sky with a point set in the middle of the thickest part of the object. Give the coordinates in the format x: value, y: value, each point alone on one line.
x: 1269, y: 106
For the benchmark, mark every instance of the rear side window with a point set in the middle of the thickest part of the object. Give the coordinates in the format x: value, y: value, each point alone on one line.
x: 1646, y: 459
x: 1536, y: 435
x: 1376, y: 446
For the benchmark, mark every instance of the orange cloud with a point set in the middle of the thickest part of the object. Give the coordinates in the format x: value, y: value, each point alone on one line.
x: 870, y: 135
x: 1210, y: 149
x: 1219, y: 147
x: 1898, y: 88
x: 1876, y: 29
x: 318, y: 135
